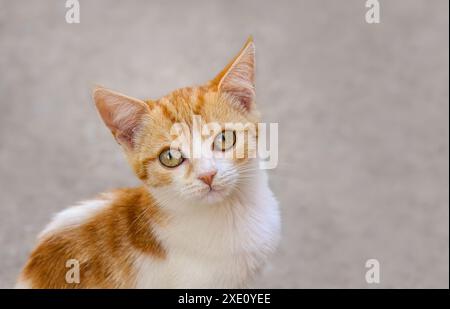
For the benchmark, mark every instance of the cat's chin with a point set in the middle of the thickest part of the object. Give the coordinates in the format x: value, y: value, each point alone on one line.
x: 214, y: 196
x: 210, y: 195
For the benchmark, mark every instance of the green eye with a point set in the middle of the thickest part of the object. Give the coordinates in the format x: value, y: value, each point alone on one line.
x: 224, y: 140
x: 171, y: 158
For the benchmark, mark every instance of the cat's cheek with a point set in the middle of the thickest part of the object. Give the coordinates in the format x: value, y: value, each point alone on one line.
x: 158, y: 177
x: 177, y: 178
x: 226, y: 175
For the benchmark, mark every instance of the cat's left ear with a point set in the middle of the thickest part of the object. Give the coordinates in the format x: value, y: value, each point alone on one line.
x: 238, y: 77
x: 122, y: 114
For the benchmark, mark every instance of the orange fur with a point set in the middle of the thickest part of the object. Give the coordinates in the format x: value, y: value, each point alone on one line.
x: 106, y: 244
x: 103, y: 245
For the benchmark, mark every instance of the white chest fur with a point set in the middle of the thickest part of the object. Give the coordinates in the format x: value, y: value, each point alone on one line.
x: 222, y: 246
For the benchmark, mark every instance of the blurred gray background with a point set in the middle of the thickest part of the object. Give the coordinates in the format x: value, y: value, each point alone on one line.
x: 362, y: 110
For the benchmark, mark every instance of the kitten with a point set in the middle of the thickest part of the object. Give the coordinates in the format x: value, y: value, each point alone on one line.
x: 194, y: 223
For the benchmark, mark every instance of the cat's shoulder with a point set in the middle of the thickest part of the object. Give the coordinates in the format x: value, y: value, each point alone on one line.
x: 106, y: 232
x: 84, y: 211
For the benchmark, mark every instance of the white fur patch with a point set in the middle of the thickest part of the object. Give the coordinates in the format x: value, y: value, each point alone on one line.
x: 75, y: 216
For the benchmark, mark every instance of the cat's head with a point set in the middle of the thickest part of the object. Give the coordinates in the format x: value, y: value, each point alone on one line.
x: 161, y: 138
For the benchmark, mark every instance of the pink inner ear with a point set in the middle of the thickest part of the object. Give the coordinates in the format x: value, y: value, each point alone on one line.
x: 127, y: 137
x: 244, y: 96
x: 126, y: 121
x: 122, y: 115
x: 239, y: 80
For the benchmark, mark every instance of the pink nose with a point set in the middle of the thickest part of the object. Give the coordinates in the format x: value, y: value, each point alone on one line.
x: 208, y: 177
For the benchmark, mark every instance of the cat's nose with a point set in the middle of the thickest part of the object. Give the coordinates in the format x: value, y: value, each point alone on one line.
x: 208, y: 177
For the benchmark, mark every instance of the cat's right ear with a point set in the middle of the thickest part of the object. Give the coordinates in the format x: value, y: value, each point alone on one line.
x: 238, y: 77
x: 123, y: 115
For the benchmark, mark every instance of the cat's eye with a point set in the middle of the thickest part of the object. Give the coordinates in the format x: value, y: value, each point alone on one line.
x: 224, y: 140
x: 171, y: 158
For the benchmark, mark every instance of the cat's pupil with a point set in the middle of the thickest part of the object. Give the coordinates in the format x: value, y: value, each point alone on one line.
x: 224, y: 140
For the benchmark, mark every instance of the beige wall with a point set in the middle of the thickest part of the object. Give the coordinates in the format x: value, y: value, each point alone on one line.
x: 362, y: 112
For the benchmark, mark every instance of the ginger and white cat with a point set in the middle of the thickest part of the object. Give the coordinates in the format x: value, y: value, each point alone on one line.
x: 208, y: 222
